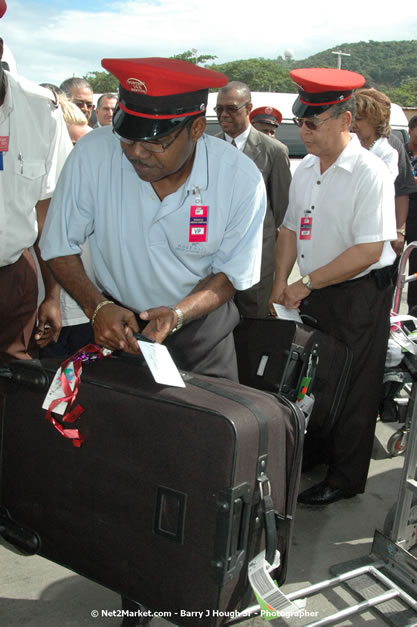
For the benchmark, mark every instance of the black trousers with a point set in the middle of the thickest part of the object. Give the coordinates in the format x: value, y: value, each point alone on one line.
x: 205, y: 346
x: 357, y: 313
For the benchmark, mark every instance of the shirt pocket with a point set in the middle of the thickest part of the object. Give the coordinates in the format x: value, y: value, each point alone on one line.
x: 30, y: 169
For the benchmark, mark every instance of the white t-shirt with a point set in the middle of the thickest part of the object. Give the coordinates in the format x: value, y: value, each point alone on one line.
x: 351, y: 203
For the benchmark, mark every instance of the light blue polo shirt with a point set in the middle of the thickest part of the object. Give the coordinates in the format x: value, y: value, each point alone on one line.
x: 140, y: 246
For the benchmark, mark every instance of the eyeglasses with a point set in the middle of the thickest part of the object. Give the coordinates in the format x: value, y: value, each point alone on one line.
x: 230, y: 109
x: 313, y: 125
x: 81, y: 104
x: 153, y: 146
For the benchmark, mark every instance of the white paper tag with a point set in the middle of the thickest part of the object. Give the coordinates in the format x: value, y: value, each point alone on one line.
x: 55, y: 390
x: 161, y: 364
x: 265, y: 589
x: 284, y: 313
x: 306, y: 404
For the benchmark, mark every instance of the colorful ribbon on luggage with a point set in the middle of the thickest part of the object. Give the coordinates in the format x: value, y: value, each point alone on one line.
x: 88, y: 353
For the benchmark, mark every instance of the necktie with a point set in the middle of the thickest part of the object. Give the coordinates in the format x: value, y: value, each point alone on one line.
x: 233, y: 143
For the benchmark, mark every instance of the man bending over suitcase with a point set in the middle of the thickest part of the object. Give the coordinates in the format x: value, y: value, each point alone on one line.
x: 338, y: 226
x: 173, y: 218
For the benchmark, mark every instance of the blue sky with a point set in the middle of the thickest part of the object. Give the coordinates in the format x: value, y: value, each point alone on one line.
x: 52, y: 40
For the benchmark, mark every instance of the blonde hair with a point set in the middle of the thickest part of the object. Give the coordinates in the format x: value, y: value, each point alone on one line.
x: 71, y: 113
x: 374, y: 106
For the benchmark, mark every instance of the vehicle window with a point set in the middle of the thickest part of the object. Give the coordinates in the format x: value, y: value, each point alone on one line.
x: 288, y: 134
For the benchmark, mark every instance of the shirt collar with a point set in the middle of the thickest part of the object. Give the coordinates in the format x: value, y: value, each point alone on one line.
x: 240, y: 140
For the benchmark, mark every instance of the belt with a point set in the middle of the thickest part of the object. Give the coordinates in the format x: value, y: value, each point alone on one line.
x: 382, y: 277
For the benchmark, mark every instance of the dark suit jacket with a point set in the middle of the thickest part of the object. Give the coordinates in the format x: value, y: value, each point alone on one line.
x: 271, y: 157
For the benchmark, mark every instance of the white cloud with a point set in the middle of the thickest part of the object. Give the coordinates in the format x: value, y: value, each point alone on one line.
x: 52, y: 45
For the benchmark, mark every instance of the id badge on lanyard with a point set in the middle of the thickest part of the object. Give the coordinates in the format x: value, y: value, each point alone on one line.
x: 306, y: 227
x: 198, y: 219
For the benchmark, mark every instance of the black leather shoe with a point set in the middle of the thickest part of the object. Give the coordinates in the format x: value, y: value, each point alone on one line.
x: 322, y: 494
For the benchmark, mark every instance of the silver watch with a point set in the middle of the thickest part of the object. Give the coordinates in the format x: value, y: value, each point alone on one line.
x: 180, y: 319
x: 307, y: 282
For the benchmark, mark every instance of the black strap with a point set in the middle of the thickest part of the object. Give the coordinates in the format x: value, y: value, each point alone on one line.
x: 266, y: 499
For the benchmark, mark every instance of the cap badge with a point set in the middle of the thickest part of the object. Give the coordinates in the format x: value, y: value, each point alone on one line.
x: 137, y: 85
x: 268, y: 110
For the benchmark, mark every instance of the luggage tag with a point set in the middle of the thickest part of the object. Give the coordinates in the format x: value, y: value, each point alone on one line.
x: 198, y: 219
x: 306, y: 227
x: 272, y: 601
x: 159, y: 362
x: 55, y: 389
x: 284, y: 313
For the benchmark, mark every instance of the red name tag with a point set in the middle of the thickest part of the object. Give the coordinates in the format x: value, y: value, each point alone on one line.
x: 4, y: 143
x: 306, y: 228
x: 198, y: 223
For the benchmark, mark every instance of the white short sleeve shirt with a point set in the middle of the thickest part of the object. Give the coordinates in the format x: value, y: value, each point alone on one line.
x: 38, y: 144
x: 351, y: 203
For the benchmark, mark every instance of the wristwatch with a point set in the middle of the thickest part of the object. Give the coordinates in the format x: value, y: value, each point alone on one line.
x: 180, y: 319
x: 305, y: 280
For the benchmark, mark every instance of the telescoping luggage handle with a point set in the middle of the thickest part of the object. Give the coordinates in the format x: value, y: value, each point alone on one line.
x: 269, y: 513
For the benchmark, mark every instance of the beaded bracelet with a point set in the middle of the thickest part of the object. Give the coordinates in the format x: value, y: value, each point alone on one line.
x: 97, y: 309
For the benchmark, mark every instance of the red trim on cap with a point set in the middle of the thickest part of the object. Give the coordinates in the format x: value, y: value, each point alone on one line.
x: 3, y: 7
x: 322, y: 104
x: 158, y: 117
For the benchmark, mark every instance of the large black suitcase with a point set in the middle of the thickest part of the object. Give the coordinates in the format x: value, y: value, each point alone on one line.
x: 277, y: 355
x: 162, y: 502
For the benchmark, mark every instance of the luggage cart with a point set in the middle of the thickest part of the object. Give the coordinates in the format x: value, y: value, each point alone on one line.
x: 400, y: 379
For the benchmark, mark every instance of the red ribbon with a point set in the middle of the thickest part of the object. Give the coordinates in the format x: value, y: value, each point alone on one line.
x: 91, y: 352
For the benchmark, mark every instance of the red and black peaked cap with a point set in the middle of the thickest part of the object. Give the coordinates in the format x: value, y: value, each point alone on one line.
x: 321, y: 88
x: 156, y: 95
x: 3, y: 7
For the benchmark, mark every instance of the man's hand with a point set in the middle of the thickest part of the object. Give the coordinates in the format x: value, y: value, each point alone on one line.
x: 398, y: 244
x: 277, y: 290
x: 49, y: 322
x: 161, y: 322
x: 292, y: 296
x: 114, y: 327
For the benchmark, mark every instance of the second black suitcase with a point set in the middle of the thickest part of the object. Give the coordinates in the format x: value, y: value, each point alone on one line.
x: 163, y: 500
x: 276, y: 355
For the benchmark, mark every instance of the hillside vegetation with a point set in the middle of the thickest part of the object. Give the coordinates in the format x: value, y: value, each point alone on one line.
x: 390, y: 66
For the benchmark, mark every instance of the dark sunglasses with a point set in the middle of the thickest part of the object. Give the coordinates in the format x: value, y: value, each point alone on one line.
x: 231, y: 109
x: 311, y: 124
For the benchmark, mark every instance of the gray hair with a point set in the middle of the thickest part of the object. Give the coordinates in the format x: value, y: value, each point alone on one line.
x: 342, y: 107
x: 76, y: 82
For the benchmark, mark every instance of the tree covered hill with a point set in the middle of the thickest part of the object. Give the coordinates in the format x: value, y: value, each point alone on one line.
x: 390, y: 66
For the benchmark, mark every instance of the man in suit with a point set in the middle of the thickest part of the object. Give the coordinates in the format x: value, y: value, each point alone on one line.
x: 271, y: 157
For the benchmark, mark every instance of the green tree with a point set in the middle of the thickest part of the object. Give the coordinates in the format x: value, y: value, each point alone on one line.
x: 259, y: 74
x: 102, y: 82
x: 192, y: 57
x: 405, y: 95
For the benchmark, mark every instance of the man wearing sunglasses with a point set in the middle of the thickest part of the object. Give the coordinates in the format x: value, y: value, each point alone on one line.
x: 80, y: 92
x: 338, y: 226
x: 233, y: 110
x: 173, y: 218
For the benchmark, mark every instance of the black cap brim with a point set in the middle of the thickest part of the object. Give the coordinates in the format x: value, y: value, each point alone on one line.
x: 303, y: 110
x: 143, y: 129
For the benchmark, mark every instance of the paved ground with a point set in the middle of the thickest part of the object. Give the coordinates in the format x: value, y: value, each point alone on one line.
x: 37, y: 593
